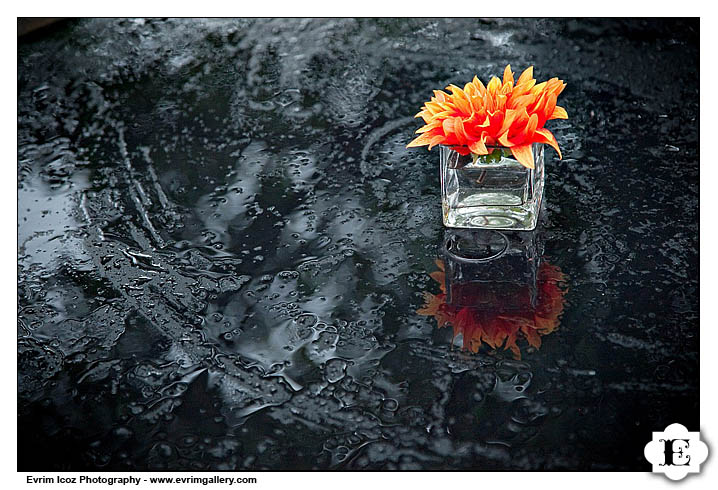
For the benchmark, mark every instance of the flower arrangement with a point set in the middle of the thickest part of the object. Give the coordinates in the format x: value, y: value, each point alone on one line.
x: 479, y: 118
x: 498, y: 328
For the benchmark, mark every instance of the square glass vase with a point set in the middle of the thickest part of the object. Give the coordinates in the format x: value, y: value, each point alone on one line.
x: 492, y: 191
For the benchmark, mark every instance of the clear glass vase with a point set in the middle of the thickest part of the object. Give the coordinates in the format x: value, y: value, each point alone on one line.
x: 492, y: 191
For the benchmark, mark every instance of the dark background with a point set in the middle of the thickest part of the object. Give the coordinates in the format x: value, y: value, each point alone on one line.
x: 223, y: 242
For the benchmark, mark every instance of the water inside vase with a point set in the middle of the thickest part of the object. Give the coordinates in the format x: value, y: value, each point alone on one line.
x: 496, y: 192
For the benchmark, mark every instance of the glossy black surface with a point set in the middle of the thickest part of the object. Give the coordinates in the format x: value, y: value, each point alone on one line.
x: 223, y: 244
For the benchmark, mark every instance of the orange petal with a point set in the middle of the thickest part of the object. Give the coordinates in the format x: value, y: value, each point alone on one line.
x: 463, y: 104
x: 527, y: 75
x: 453, y: 89
x: 436, y: 140
x: 464, y: 318
x: 479, y: 86
x: 521, y: 101
x: 548, y: 108
x: 528, y: 132
x: 501, y: 102
x: 524, y: 155
x: 533, y: 337
x: 431, y: 306
x: 509, y: 118
x: 433, y: 107
x: 429, y: 127
x: 442, y: 115
x: 438, y: 276
x: 508, y: 75
x: 545, y: 325
x: 532, y: 125
x: 524, y: 88
x: 478, y: 147
x: 422, y: 140
x: 490, y: 102
x: 548, y: 138
x: 559, y: 113
x: 555, y: 86
x: 476, y: 103
x: 459, y: 131
x: 522, y: 118
x: 539, y: 105
x: 504, y: 140
x: 456, y: 92
x: 448, y: 125
x: 538, y: 88
x: 493, y: 86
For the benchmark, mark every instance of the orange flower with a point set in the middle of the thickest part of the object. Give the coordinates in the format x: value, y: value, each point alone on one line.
x: 500, y: 328
x: 500, y: 114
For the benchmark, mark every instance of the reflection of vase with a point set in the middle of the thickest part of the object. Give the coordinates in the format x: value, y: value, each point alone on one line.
x: 495, y: 290
x: 492, y: 191
x: 490, y: 270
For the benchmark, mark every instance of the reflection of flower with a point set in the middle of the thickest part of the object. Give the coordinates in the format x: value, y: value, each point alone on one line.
x: 500, y: 114
x: 497, y: 326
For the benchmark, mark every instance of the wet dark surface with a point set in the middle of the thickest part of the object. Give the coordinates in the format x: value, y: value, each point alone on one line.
x: 223, y: 245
